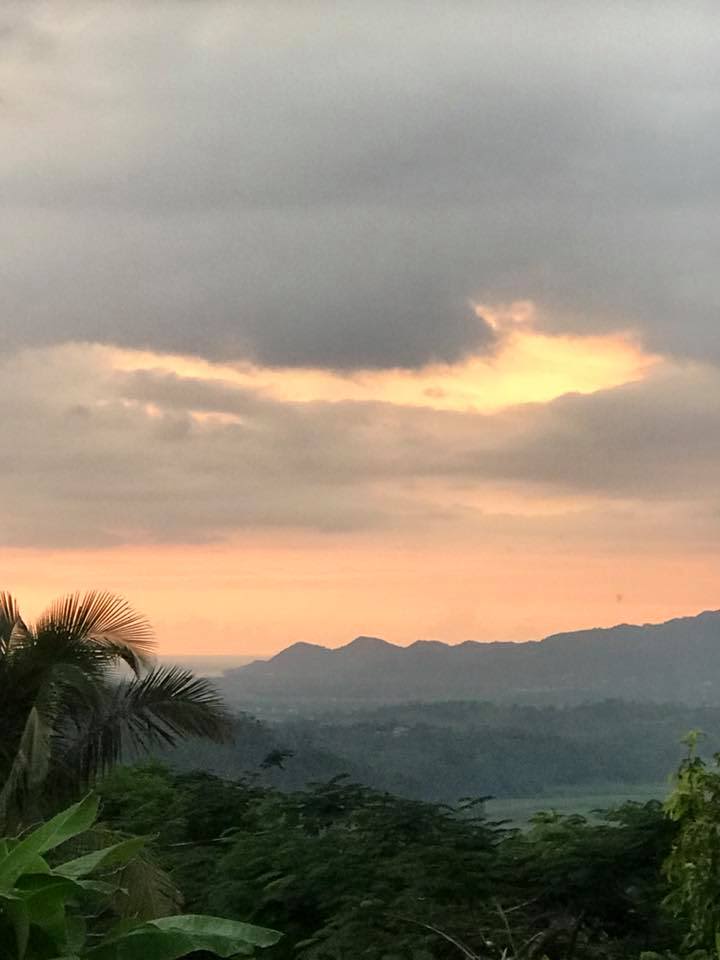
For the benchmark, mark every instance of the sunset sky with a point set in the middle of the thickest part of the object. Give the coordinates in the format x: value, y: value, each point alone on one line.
x: 392, y: 318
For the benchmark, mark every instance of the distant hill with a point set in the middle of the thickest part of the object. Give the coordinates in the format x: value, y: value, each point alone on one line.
x: 446, y: 750
x: 674, y: 661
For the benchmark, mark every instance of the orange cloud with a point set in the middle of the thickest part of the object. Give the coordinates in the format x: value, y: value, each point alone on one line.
x: 528, y: 367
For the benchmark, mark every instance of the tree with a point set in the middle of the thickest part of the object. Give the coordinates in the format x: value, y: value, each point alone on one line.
x: 693, y: 867
x: 68, y: 714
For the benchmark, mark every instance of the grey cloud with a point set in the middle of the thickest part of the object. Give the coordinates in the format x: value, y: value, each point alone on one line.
x: 328, y: 185
x: 281, y: 290
x: 102, y: 457
x: 120, y: 476
x: 645, y: 440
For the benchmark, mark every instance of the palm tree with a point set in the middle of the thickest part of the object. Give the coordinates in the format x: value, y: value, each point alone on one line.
x: 67, y: 713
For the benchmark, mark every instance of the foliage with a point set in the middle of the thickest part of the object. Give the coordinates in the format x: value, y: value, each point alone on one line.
x: 591, y: 885
x: 66, y: 715
x: 442, y: 751
x: 61, y: 911
x: 346, y: 871
x: 693, y: 867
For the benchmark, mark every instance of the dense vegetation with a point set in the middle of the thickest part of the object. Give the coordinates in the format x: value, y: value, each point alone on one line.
x: 345, y: 871
x: 443, y: 751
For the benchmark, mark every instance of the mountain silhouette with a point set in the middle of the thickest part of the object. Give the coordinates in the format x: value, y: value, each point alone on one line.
x: 674, y: 661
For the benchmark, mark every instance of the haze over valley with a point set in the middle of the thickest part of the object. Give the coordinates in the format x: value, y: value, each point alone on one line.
x: 574, y: 721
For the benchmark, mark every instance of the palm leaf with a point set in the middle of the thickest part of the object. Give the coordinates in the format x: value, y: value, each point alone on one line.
x: 64, y: 720
x: 12, y: 627
x: 102, y: 620
x: 174, y: 703
x: 145, y: 891
x: 29, y: 767
x: 159, y: 709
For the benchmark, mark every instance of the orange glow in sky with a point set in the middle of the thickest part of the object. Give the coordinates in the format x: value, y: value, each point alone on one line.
x: 259, y: 591
x: 528, y: 367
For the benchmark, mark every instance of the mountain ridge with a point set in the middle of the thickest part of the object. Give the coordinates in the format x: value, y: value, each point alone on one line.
x: 676, y: 659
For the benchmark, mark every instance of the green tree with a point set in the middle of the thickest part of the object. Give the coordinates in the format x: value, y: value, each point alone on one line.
x: 693, y: 867
x: 66, y: 712
x: 590, y: 887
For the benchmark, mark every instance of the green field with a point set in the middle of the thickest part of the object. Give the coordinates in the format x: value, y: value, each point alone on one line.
x: 519, y: 810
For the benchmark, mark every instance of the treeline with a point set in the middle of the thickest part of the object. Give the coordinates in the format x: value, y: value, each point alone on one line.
x: 444, y: 751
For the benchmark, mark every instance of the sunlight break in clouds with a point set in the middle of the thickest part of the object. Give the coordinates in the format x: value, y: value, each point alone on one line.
x: 528, y: 366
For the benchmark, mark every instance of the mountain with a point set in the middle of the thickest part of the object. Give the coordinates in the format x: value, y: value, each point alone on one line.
x: 674, y: 661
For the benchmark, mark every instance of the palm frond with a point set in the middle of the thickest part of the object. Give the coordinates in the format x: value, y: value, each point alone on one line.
x: 29, y: 767
x: 59, y: 704
x: 146, y: 891
x: 64, y: 721
x: 12, y: 627
x: 159, y: 709
x: 175, y: 703
x: 9, y: 611
x: 77, y: 693
x: 101, y: 619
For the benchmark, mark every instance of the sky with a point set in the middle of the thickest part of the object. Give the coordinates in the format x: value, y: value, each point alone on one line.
x: 392, y: 318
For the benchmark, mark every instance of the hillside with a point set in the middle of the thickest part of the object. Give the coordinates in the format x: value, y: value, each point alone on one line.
x: 443, y: 751
x: 674, y: 661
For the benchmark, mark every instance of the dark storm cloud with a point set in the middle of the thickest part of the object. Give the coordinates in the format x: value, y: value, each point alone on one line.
x: 329, y: 185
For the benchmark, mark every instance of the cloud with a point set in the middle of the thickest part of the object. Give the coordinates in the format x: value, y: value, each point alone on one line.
x: 637, y: 441
x: 305, y: 191
x: 102, y: 456
x: 314, y: 187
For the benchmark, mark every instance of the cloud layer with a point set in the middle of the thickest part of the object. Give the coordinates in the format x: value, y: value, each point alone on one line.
x: 331, y: 185
x: 104, y: 455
